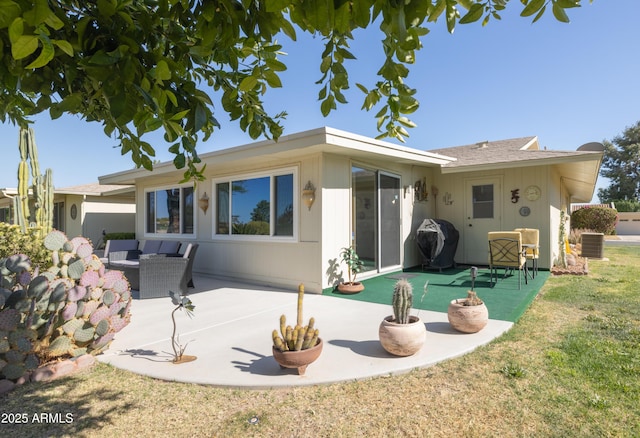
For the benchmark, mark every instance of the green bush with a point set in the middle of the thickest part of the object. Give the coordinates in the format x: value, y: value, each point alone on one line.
x: 13, y: 241
x: 119, y: 236
x: 627, y: 206
x: 599, y: 219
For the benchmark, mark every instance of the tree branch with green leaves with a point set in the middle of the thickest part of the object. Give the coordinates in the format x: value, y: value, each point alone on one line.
x: 140, y: 66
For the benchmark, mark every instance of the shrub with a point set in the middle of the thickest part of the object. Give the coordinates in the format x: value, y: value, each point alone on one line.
x: 599, y: 219
x: 627, y: 206
x: 119, y: 236
x: 30, y: 244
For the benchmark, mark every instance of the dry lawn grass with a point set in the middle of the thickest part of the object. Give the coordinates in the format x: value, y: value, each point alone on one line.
x: 513, y: 387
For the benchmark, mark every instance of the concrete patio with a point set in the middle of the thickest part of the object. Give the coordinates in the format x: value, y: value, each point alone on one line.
x: 230, y: 334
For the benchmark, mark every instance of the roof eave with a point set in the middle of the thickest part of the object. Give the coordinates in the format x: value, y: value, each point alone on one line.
x: 318, y: 140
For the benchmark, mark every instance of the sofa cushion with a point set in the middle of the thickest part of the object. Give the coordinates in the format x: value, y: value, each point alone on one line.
x: 169, y: 247
x: 120, y: 245
x: 151, y: 246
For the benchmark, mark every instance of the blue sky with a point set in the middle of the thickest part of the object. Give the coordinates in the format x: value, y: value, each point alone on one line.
x: 569, y: 84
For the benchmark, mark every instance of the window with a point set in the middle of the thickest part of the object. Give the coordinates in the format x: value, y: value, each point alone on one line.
x: 483, y: 201
x: 58, y: 216
x: 259, y: 205
x: 170, y: 211
x: 5, y: 215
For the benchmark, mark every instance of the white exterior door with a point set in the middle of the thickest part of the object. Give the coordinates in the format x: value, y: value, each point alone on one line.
x: 483, y: 213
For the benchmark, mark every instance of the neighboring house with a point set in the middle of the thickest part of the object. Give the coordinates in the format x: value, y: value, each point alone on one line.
x: 251, y: 221
x: 85, y: 210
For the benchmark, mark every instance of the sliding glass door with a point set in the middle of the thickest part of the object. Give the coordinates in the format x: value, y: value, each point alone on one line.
x: 376, y: 218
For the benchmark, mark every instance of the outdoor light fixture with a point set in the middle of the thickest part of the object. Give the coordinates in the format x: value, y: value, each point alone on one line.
x: 309, y: 195
x: 203, y: 203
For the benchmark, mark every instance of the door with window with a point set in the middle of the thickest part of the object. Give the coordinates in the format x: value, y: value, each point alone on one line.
x: 483, y: 213
x: 376, y: 218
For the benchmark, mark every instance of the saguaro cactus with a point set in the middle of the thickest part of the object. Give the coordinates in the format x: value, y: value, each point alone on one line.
x: 41, y: 212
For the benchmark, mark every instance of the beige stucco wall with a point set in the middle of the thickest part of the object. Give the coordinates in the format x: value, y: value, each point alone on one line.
x: 452, y: 188
x: 94, y: 214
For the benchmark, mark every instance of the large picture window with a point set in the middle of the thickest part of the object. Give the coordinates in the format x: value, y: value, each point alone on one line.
x: 256, y: 205
x: 169, y: 211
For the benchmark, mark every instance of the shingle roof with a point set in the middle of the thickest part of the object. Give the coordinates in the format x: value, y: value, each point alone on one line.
x: 95, y: 189
x: 523, y: 149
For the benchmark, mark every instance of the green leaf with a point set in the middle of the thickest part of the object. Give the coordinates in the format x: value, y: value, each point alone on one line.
x: 540, y: 14
x: 46, y: 55
x: 65, y: 46
x: 24, y: 46
x: 16, y: 29
x: 9, y: 11
x: 180, y: 115
x: 179, y: 161
x: 200, y: 117
x: 107, y: 7
x: 345, y: 53
x: 533, y: 7
x: 162, y: 72
x: 275, y: 65
x: 474, y: 14
x: 248, y: 83
x: 559, y: 13
x: 272, y: 79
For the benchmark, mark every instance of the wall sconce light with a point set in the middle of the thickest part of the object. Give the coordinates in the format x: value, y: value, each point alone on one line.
x: 309, y: 195
x: 203, y: 203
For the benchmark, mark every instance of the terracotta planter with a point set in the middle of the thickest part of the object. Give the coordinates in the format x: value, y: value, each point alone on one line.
x: 402, y: 339
x: 350, y: 288
x: 297, y: 359
x: 467, y: 319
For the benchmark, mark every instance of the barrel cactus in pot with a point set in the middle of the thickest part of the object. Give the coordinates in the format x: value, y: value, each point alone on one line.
x: 470, y: 314
x: 402, y: 334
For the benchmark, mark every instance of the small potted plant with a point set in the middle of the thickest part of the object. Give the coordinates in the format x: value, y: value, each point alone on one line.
x: 298, y: 346
x: 354, y: 266
x: 402, y: 334
x: 470, y: 314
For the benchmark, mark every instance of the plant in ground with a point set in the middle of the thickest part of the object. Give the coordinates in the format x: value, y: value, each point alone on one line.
x: 181, y: 302
x: 73, y: 308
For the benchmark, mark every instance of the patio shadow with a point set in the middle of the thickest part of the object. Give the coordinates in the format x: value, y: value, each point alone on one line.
x: 262, y: 365
x: 363, y: 348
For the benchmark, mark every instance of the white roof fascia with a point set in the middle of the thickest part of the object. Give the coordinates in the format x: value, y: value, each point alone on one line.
x: 316, y: 140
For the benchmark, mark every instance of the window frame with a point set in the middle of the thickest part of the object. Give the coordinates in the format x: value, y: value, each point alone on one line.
x: 181, y: 201
x: 271, y: 237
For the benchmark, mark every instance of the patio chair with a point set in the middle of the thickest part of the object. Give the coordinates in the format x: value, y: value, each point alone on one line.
x: 531, y: 243
x: 161, y: 273
x: 506, y: 251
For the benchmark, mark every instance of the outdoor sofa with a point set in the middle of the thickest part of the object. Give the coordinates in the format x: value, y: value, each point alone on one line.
x: 154, y: 274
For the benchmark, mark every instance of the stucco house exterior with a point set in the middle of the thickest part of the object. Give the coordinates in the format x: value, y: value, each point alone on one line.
x: 251, y: 218
x: 85, y: 210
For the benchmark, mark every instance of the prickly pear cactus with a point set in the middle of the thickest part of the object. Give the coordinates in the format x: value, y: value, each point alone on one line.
x: 74, y: 307
x: 402, y: 301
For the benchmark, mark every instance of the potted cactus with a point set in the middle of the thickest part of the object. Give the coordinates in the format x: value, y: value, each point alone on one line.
x: 296, y: 347
x: 402, y: 334
x: 354, y: 265
x: 468, y: 315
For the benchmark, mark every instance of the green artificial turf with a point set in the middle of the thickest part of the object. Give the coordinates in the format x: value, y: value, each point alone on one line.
x: 504, y: 300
